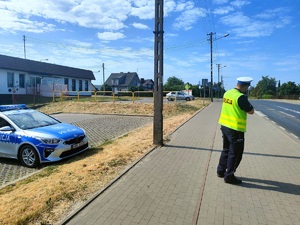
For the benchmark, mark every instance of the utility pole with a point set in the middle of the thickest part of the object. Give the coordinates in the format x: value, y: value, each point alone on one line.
x: 158, y: 73
x: 103, y: 79
x: 211, y: 64
x: 210, y: 39
x: 24, y: 39
x: 218, y: 65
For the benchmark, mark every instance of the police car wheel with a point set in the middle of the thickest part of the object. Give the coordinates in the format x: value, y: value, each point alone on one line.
x: 29, y: 156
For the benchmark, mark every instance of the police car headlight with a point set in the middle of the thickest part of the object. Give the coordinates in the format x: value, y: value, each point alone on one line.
x: 50, y: 141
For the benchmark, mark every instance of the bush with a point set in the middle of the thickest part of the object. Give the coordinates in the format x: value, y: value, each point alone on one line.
x: 266, y: 96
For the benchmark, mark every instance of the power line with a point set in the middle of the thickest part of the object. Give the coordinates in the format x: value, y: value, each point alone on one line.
x: 184, y: 45
x: 207, y: 22
x: 190, y: 44
x: 207, y: 25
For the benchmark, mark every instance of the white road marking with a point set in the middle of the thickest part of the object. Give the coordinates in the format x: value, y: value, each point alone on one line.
x: 294, y: 135
x: 287, y: 109
x: 286, y: 114
x: 259, y: 113
x: 282, y: 127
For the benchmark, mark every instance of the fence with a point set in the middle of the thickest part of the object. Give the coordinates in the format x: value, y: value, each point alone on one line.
x: 97, y: 96
x: 102, y: 96
x: 291, y: 97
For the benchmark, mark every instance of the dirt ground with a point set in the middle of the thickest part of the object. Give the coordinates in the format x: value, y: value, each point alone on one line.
x: 50, y: 195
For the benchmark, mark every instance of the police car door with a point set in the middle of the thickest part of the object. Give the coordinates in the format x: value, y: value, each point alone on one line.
x: 7, y: 140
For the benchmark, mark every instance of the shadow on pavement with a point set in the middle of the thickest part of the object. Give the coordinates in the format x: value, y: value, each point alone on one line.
x: 271, y: 185
x: 245, y: 153
x: 10, y: 161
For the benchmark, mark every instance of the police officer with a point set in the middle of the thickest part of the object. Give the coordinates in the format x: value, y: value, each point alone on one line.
x: 233, y: 120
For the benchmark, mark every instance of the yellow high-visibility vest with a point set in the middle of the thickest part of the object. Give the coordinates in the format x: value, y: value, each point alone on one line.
x: 232, y: 115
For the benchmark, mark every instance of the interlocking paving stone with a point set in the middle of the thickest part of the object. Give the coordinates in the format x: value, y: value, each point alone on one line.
x: 99, y: 129
x: 166, y: 185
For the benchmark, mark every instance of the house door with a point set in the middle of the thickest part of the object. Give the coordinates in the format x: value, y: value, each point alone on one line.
x: 7, y: 141
x: 115, y: 90
x: 35, y: 84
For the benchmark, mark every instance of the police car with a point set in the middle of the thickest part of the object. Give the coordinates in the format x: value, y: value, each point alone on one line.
x: 33, y: 137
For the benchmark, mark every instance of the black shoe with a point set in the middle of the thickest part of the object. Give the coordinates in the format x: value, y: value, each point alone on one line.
x: 221, y: 175
x: 233, y: 180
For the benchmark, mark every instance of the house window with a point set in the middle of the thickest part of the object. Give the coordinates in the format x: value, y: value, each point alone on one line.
x: 22, y: 80
x: 10, y: 79
x: 115, y: 82
x: 80, y: 85
x: 86, y: 85
x: 66, y: 82
x: 73, y: 85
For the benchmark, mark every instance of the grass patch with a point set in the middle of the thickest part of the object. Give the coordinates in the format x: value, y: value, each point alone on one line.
x: 117, y: 162
x: 48, y: 196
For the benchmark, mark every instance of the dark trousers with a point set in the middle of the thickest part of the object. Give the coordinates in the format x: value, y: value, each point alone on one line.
x: 233, y: 148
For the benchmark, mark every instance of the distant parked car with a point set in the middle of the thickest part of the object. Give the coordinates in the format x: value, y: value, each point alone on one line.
x: 179, y: 95
x: 33, y: 137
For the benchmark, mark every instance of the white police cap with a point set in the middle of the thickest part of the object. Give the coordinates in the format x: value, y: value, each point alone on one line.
x: 244, y: 80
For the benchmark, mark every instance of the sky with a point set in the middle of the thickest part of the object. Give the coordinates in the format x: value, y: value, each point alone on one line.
x: 117, y: 36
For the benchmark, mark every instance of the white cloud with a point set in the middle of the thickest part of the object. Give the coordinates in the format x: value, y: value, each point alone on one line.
x: 220, y: 1
x: 80, y: 43
x: 189, y: 16
x: 10, y: 22
x: 239, y: 3
x: 279, y: 15
x: 140, y: 26
x: 180, y: 6
x: 273, y: 13
x: 223, y: 10
x: 289, y: 62
x: 144, y: 9
x: 86, y: 13
x: 110, y: 36
x: 114, y: 23
x: 171, y: 6
x: 31, y: 15
x: 245, y: 26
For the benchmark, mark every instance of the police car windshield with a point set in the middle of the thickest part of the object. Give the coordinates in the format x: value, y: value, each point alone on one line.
x: 31, y: 119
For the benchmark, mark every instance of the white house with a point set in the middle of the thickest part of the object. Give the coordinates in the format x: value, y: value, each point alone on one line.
x: 28, y: 77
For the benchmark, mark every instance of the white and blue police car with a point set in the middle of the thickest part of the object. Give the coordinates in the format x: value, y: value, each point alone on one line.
x: 33, y: 137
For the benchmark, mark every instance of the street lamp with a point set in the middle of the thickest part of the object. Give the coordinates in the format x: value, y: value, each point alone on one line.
x: 211, y: 60
x: 98, y: 71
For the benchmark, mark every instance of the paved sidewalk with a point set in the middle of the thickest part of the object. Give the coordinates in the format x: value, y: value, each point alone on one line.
x: 177, y: 183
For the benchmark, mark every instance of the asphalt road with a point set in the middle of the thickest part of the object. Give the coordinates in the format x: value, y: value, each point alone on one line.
x: 284, y: 114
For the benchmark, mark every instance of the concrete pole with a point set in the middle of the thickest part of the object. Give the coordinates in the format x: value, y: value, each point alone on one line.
x: 211, y: 65
x: 158, y: 73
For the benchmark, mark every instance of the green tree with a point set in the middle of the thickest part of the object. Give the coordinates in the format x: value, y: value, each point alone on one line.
x: 289, y: 88
x: 106, y: 88
x: 174, y: 84
x: 195, y: 90
x: 265, y: 88
x: 136, y: 88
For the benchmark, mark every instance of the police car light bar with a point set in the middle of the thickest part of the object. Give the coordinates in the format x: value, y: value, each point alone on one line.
x: 12, y: 107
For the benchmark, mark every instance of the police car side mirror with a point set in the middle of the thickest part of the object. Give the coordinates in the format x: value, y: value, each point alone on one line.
x: 7, y: 128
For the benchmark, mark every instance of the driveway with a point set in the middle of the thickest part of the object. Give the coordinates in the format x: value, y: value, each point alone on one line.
x: 99, y: 129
